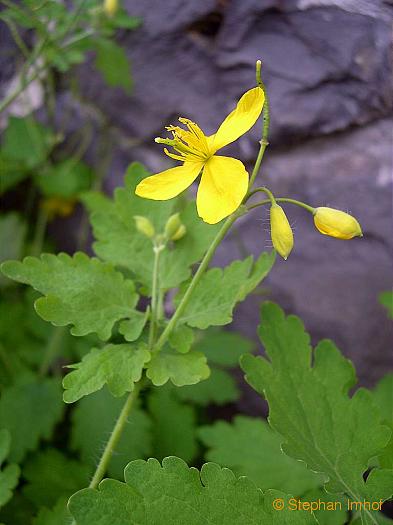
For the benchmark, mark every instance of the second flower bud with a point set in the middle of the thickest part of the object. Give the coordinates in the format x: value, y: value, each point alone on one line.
x: 280, y: 231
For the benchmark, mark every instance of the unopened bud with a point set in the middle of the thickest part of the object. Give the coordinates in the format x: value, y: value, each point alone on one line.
x: 144, y: 226
x: 172, y: 226
x: 182, y: 230
x: 281, y: 231
x: 336, y: 223
x: 111, y: 7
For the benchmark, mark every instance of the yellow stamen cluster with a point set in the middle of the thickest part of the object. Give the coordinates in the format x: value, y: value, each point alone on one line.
x: 190, y: 144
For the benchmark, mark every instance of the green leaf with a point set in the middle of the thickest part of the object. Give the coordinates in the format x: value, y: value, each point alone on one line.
x: 92, y: 422
x: 26, y: 141
x: 309, y: 406
x: 181, y: 339
x: 220, y: 290
x: 112, y: 62
x: 12, y: 172
x: 9, y: 475
x: 249, y: 447
x: 78, y: 290
x: 65, y: 179
x: 132, y: 328
x: 59, y: 515
x: 219, y: 388
x: 118, y: 366
x: 335, y: 510
x: 22, y: 413
x: 12, y: 237
x: 386, y: 299
x: 119, y: 242
x: 181, y: 369
x: 175, y: 493
x: 222, y: 350
x: 174, y: 425
x: 383, y: 397
x: 50, y: 475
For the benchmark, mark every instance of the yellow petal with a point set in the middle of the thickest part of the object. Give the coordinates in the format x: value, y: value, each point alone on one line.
x: 223, y: 186
x: 242, y: 118
x: 336, y: 223
x: 169, y: 183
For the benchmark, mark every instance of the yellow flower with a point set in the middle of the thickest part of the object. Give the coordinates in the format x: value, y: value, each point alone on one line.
x: 111, y: 7
x: 280, y: 231
x: 224, y: 181
x: 336, y: 223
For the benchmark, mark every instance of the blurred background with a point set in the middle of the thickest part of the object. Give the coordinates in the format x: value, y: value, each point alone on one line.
x: 327, y: 66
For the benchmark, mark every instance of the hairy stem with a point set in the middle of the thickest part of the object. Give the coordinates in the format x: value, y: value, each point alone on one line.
x: 115, y: 436
x: 265, y: 132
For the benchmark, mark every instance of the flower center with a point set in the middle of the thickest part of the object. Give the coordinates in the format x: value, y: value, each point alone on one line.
x: 190, y: 144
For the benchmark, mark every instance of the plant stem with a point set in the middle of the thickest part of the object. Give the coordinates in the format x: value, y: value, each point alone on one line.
x: 265, y: 132
x: 195, y: 280
x: 283, y: 199
x: 154, y: 295
x: 115, y: 436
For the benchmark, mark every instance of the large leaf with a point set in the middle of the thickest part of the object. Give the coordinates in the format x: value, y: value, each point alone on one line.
x: 93, y: 420
x: 50, y: 475
x: 181, y: 369
x: 251, y: 448
x: 309, y: 406
x: 174, y: 425
x: 119, y: 242
x: 84, y: 292
x: 174, y: 494
x: 9, y: 474
x: 219, y: 290
x: 118, y: 366
x: 30, y: 412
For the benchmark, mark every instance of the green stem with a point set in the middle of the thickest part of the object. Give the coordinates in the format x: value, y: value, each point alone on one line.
x: 115, y: 436
x: 195, y: 280
x: 154, y: 295
x: 265, y: 129
x: 283, y: 199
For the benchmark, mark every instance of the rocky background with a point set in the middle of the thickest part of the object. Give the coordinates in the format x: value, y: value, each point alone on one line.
x: 327, y: 65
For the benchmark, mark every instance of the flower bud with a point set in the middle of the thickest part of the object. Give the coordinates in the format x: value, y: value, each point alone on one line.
x: 111, y: 7
x: 144, y: 226
x: 336, y: 223
x: 181, y: 231
x: 280, y: 231
x: 172, y: 227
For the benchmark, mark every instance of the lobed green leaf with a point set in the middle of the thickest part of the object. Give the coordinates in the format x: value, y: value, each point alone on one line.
x: 118, y: 366
x: 309, y: 406
x: 84, y: 292
x: 174, y: 493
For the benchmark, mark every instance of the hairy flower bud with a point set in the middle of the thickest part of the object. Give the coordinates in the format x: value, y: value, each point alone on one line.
x: 281, y: 231
x: 144, y: 226
x: 173, y: 226
x: 111, y: 7
x: 336, y: 223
